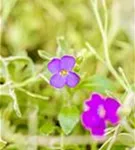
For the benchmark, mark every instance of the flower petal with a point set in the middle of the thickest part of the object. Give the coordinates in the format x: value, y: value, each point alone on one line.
x: 111, y: 106
x: 67, y: 62
x: 92, y: 121
x: 85, y: 119
x: 95, y: 101
x: 57, y: 81
x: 54, y: 65
x: 99, y: 130
x: 72, y: 79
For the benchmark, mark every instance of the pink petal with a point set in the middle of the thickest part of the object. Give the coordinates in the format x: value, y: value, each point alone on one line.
x: 99, y: 130
x: 111, y: 106
x: 95, y: 101
x: 93, y: 123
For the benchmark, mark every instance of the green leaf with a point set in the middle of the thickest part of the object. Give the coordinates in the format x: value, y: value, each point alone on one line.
x: 126, y: 139
x: 62, y: 46
x: 2, y: 144
x: 68, y: 118
x: 119, y: 147
x: 44, y: 55
x: 98, y: 83
x: 20, y: 69
x: 47, y: 128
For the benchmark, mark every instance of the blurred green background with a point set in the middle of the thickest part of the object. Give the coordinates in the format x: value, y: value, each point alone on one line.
x: 27, y: 26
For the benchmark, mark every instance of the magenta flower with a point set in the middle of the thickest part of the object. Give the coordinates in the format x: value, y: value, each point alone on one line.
x: 98, y: 111
x: 62, y: 72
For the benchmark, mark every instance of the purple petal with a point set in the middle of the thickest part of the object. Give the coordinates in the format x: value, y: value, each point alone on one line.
x: 95, y: 101
x: 67, y: 62
x: 99, y: 130
x: 72, y: 79
x: 85, y: 119
x: 92, y: 121
x: 54, y: 65
x: 57, y: 81
x: 111, y: 106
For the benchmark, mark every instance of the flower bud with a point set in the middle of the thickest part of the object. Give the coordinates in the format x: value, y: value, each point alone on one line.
x: 79, y: 59
x: 124, y: 111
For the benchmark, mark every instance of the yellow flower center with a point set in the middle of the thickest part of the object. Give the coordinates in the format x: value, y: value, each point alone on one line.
x: 63, y: 72
x: 101, y: 111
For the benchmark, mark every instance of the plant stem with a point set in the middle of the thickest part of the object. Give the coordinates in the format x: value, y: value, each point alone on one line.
x: 106, y: 15
x: 113, y: 138
x: 105, y: 45
x: 50, y: 141
x: 105, y: 143
x: 32, y: 126
x: 94, y: 146
x: 62, y: 142
x: 124, y: 77
x: 33, y: 94
x: 95, y: 53
x: 15, y: 103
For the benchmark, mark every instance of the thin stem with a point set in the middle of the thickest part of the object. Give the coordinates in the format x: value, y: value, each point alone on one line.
x: 106, y: 15
x: 32, y: 79
x: 95, y: 53
x: 33, y: 94
x: 109, y: 139
x: 24, y: 83
x: 113, y: 138
x: 109, y: 132
x: 15, y: 103
x: 126, y: 126
x: 105, y: 45
x: 94, y: 145
x: 105, y: 143
x: 55, y: 140
x: 5, y: 67
x: 124, y: 77
x: 62, y: 141
x: 44, y: 78
x: 12, y: 58
x: 32, y: 126
x: 129, y: 103
x: 111, y: 94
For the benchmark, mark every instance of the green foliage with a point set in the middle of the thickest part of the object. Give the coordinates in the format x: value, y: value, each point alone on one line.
x: 2, y: 144
x: 44, y: 55
x: 32, y: 33
x: 68, y: 118
x: 2, y: 73
x: 47, y: 128
x: 21, y: 72
x: 126, y: 139
x: 62, y: 46
x: 99, y: 84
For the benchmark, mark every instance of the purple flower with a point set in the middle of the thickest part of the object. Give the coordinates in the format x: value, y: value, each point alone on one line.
x: 62, y: 72
x: 99, y: 110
